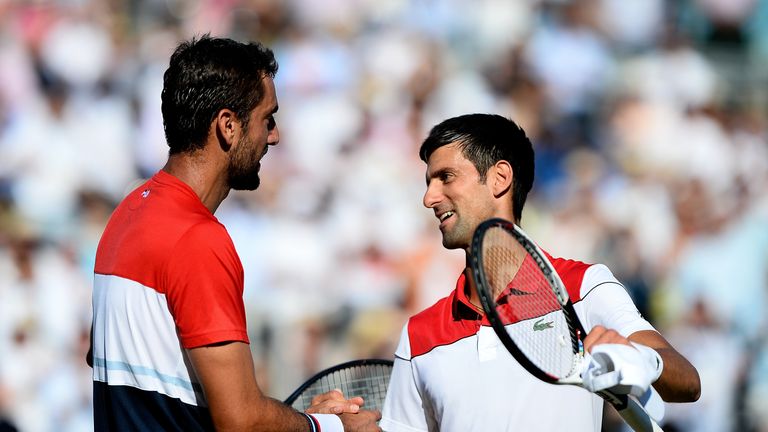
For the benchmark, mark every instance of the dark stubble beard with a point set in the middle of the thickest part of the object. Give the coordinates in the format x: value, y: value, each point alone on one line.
x: 457, y: 238
x: 243, y: 173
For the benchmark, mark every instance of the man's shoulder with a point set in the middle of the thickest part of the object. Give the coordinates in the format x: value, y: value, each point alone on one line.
x: 434, y: 312
x: 579, y: 277
x: 572, y: 274
x: 166, y: 209
x: 436, y: 326
x: 150, y: 224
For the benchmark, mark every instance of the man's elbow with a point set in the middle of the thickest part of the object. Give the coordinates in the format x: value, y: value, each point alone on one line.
x: 693, y: 389
x: 689, y: 390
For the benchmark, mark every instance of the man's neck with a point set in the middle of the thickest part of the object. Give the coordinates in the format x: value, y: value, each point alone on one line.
x: 204, y: 177
x: 471, y: 291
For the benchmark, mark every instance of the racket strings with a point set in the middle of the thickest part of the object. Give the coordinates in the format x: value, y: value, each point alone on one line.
x: 527, y: 304
x: 367, y: 381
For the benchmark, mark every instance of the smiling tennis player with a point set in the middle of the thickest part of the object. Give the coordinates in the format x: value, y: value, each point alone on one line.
x: 451, y: 373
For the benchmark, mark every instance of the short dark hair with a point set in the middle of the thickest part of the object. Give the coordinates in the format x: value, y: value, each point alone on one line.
x: 485, y: 139
x: 207, y: 75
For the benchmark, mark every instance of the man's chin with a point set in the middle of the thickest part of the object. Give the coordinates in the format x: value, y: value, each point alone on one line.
x: 449, y: 243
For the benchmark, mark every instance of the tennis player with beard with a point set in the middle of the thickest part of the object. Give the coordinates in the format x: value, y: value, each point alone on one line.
x: 169, y: 342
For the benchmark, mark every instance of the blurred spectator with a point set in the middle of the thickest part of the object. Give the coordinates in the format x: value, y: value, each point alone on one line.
x: 709, y: 345
x: 648, y: 117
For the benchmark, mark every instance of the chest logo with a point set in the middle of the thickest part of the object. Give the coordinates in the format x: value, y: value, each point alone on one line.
x: 541, y: 325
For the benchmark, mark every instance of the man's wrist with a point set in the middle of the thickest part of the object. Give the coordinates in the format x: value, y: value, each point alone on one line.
x: 312, y: 422
x: 325, y: 423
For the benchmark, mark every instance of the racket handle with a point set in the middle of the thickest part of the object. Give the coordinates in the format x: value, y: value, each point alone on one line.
x: 636, y: 417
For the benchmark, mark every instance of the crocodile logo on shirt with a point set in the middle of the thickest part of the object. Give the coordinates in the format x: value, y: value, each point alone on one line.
x: 540, y: 325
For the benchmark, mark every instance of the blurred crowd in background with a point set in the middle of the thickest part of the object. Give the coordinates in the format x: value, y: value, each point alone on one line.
x: 649, y: 119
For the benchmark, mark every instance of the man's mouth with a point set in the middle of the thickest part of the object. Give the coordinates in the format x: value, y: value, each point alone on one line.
x: 444, y: 216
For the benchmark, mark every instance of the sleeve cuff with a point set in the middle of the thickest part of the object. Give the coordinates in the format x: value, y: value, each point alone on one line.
x: 328, y: 422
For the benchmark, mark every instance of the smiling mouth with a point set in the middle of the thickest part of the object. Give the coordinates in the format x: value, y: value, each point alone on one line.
x: 443, y: 217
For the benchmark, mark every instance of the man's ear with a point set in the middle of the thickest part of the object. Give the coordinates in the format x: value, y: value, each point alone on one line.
x: 226, y: 127
x: 500, y: 178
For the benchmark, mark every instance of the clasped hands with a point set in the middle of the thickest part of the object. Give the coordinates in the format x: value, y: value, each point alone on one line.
x: 352, y: 416
x: 334, y: 402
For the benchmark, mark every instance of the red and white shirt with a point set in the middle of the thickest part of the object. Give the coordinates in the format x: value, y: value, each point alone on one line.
x: 453, y: 374
x: 167, y: 278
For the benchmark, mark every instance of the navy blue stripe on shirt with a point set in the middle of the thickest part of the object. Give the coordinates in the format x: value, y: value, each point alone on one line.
x: 127, y: 409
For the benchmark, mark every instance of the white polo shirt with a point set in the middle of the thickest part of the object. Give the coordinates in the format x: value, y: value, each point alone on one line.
x: 453, y: 374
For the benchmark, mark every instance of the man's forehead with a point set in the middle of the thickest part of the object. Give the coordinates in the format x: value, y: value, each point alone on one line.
x: 270, y: 95
x: 448, y: 160
x: 449, y: 153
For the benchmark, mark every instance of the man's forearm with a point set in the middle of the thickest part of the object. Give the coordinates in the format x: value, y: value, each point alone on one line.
x: 679, y: 381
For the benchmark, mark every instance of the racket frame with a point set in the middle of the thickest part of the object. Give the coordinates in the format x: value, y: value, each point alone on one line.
x: 480, y: 280
x: 290, y: 400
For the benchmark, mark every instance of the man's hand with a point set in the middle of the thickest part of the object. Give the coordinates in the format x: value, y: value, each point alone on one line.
x: 617, y: 364
x: 601, y: 335
x: 333, y: 402
x: 622, y: 369
x: 363, y: 421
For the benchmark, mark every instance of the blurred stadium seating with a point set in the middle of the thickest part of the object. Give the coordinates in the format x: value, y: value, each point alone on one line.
x: 649, y: 118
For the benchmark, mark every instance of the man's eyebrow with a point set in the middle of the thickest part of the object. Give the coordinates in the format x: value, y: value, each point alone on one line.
x: 274, y: 110
x: 437, y: 173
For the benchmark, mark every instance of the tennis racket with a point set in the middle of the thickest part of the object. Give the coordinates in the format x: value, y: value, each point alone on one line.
x: 529, y: 309
x: 367, y: 378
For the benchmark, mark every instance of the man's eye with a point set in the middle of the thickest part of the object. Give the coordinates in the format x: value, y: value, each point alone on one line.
x: 271, y: 123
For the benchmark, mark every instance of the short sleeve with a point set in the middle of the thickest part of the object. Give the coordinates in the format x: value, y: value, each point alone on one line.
x: 204, y: 287
x: 403, y: 409
x: 606, y: 302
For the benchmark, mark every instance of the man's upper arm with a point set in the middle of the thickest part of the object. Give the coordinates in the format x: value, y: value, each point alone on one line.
x: 403, y: 407
x: 606, y: 302
x: 203, y: 282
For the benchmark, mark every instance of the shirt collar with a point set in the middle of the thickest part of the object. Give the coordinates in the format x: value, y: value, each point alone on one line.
x: 462, y: 308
